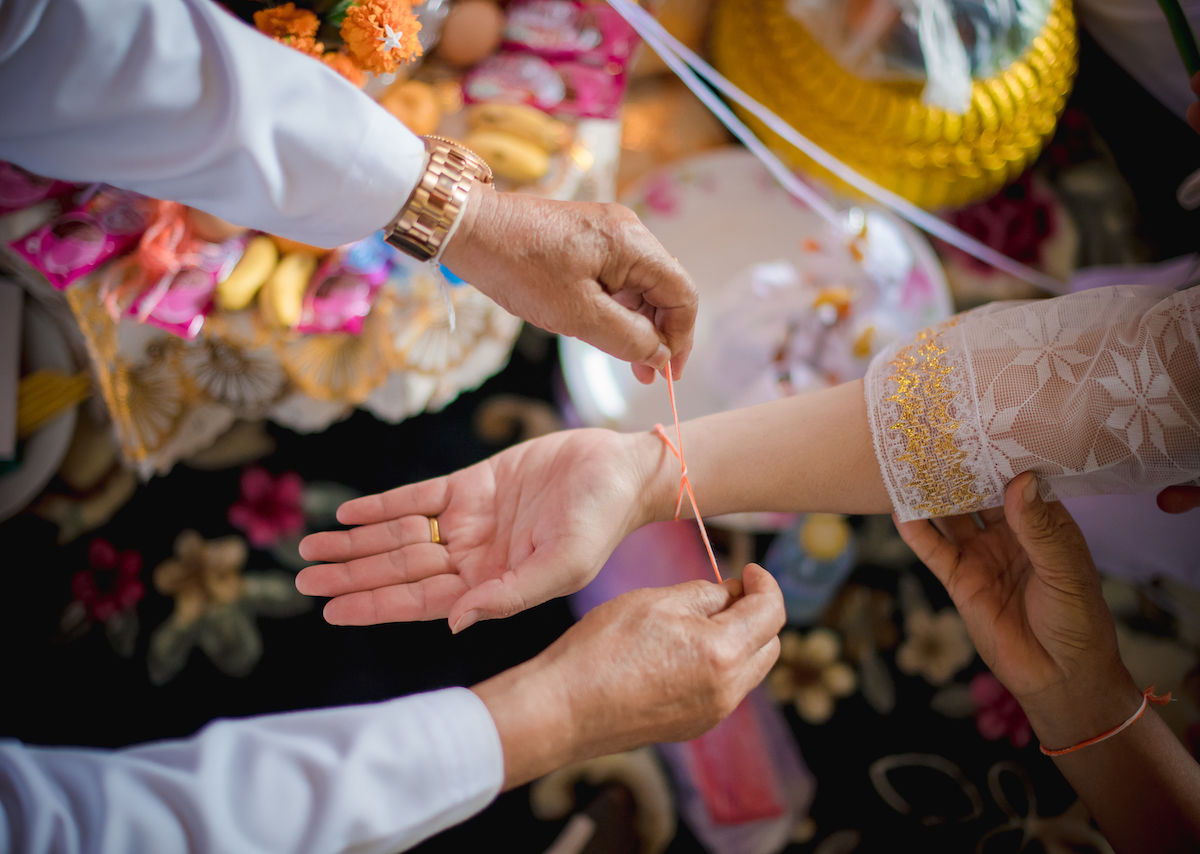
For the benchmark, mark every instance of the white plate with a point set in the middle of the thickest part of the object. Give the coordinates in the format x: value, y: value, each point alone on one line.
x: 758, y: 256
x: 42, y: 347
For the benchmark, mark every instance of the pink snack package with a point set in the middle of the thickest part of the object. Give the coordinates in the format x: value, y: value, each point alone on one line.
x: 20, y: 189
x: 743, y: 785
x: 106, y: 223
x: 591, y: 33
x: 341, y: 293
x: 569, y: 89
x: 188, y: 298
x: 513, y: 78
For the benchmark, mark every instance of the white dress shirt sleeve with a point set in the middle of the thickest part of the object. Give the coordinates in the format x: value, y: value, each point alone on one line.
x: 367, y: 778
x: 179, y: 100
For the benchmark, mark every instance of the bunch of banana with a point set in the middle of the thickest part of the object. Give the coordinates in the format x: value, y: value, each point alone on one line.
x: 250, y: 273
x: 516, y: 140
x: 282, y: 295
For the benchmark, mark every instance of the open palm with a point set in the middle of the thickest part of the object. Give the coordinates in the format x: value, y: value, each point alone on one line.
x: 533, y: 522
x: 1025, y: 586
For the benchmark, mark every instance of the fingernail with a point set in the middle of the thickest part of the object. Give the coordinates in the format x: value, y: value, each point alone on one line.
x: 1029, y: 491
x: 464, y: 622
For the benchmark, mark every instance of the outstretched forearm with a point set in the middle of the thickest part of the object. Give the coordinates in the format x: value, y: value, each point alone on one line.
x: 808, y: 452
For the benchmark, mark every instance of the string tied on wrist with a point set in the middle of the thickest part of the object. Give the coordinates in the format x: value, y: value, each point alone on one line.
x: 1148, y: 696
x: 685, y: 485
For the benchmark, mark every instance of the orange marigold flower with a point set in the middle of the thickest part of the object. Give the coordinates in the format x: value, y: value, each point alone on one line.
x: 287, y: 20
x: 344, y: 65
x: 381, y: 34
x: 307, y: 45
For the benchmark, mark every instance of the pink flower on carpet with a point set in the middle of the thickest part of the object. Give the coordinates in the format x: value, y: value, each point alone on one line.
x: 662, y: 195
x: 997, y: 713
x: 111, y: 583
x: 270, y: 507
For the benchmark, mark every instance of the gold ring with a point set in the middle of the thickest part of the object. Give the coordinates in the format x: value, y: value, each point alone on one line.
x: 434, y: 535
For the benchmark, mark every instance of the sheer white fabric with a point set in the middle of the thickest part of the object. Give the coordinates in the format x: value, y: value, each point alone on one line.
x: 1097, y: 392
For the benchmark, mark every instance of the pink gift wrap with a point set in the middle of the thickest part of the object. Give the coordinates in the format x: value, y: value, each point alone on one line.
x: 743, y: 785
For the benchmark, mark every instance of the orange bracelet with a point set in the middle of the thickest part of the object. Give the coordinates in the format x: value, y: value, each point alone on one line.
x: 684, y: 483
x: 1148, y: 696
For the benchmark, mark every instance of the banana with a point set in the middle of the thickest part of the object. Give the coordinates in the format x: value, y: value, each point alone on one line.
x: 248, y: 275
x: 510, y: 157
x: 283, y: 295
x: 520, y: 120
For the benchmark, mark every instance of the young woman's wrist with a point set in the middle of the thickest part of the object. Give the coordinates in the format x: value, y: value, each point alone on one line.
x: 658, y: 470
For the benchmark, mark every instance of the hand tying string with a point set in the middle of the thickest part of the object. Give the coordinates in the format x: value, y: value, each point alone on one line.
x: 684, y: 483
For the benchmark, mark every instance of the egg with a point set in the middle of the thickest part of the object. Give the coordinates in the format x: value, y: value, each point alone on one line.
x: 471, y: 32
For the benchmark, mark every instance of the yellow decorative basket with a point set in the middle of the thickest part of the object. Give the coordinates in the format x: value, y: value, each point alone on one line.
x: 932, y: 157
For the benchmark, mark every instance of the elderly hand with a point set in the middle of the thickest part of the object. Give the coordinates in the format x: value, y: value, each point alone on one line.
x: 533, y: 522
x: 652, y: 665
x: 1029, y: 594
x: 591, y: 271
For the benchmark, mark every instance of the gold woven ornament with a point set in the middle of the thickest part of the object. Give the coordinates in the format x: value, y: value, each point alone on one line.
x: 930, y: 156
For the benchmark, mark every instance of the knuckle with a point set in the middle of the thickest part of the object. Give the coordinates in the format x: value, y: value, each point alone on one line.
x: 721, y: 661
x: 620, y: 213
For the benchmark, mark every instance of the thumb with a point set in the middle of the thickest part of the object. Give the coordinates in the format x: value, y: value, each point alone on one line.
x: 759, y: 614
x: 705, y: 598
x: 535, y: 580
x: 1047, y: 533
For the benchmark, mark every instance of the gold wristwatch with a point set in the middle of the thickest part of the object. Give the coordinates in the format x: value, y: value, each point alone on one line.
x: 431, y: 212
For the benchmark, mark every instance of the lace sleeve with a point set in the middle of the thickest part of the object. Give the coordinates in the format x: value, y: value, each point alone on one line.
x: 1097, y: 392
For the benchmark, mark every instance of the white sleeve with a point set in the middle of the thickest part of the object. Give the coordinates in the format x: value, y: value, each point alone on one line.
x: 1097, y: 392
x: 368, y: 778
x: 179, y: 100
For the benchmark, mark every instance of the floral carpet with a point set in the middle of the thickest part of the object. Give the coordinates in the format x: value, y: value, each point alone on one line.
x: 181, y: 607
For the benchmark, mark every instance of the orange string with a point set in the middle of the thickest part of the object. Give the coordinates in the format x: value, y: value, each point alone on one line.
x: 1147, y: 696
x: 685, y: 485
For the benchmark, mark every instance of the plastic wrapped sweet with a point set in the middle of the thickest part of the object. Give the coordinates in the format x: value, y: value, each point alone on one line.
x: 944, y: 43
x: 340, y: 295
x: 181, y: 303
x: 590, y: 33
x: 562, y: 57
x: 105, y: 224
x: 560, y: 88
x: 20, y: 189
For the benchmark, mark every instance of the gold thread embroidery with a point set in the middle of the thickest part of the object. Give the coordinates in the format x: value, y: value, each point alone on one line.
x: 944, y: 483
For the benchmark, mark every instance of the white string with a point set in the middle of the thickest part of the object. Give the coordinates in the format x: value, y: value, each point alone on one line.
x: 678, y: 56
x: 775, y: 166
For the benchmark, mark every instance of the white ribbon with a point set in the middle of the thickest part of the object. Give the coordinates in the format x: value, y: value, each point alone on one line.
x: 691, y: 68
